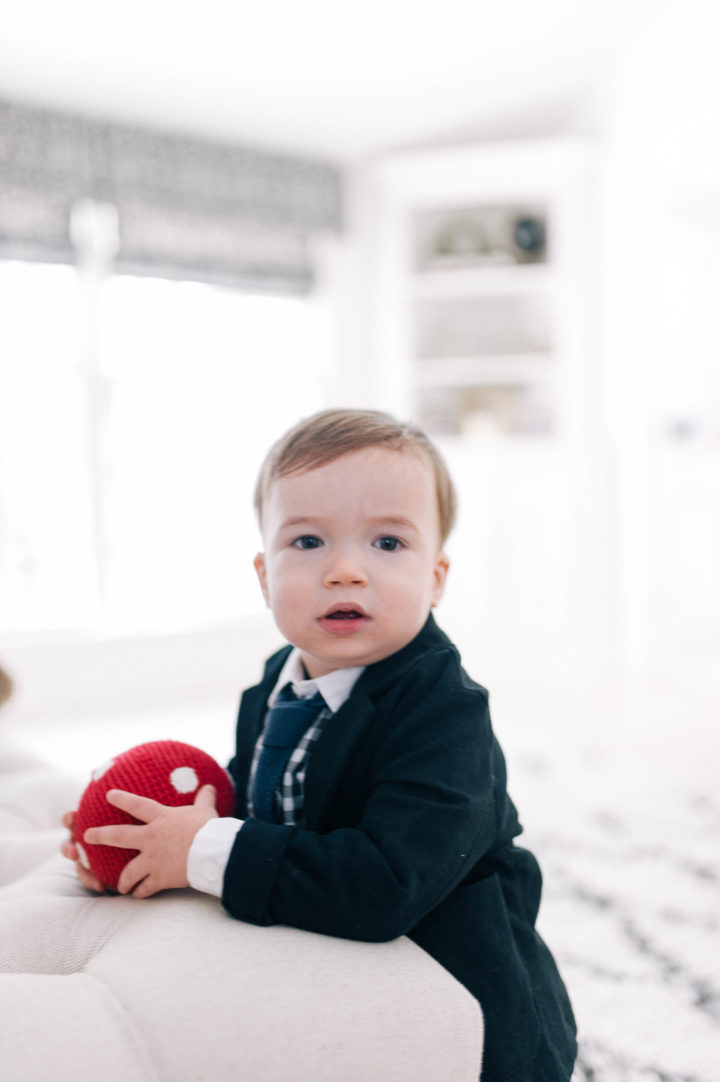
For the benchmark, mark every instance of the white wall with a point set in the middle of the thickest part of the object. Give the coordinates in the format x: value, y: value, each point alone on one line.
x: 655, y: 301
x: 652, y: 515
x: 660, y: 275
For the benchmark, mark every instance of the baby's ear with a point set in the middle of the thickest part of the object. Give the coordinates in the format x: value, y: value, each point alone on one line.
x: 260, y: 568
x: 440, y: 571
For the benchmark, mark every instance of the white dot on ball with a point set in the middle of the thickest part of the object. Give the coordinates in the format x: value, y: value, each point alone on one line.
x: 184, y: 779
x: 83, y: 856
x: 97, y: 774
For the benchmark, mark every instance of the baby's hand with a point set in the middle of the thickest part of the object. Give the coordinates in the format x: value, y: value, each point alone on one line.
x: 70, y: 850
x: 162, y: 839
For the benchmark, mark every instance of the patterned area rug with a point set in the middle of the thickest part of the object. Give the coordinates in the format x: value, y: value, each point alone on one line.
x: 628, y: 836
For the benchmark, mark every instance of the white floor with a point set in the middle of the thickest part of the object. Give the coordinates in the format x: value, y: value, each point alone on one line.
x: 616, y: 785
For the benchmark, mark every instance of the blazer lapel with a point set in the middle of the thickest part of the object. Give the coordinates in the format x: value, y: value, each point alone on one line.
x: 338, y: 741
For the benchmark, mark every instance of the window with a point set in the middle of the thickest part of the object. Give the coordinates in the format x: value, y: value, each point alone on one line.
x: 130, y: 437
x: 46, y: 522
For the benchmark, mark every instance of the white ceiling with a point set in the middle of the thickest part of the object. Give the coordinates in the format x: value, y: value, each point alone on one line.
x: 319, y: 76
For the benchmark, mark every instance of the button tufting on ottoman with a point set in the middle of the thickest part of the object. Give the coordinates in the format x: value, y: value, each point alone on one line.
x: 172, y: 989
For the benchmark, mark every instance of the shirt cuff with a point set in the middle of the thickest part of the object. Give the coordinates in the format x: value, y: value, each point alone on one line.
x: 210, y: 853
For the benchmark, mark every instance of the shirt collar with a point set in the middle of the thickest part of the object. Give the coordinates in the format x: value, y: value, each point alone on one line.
x: 335, y: 687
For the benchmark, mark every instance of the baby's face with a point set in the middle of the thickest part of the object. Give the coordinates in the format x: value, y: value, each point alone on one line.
x: 352, y: 565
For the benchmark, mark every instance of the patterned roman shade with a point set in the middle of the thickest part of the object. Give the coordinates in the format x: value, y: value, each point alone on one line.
x: 187, y: 208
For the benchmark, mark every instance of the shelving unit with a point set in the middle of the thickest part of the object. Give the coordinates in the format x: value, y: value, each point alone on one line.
x: 481, y: 315
x: 483, y: 272
x: 484, y: 337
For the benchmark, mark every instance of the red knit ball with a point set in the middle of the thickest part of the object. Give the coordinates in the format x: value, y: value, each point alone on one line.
x: 165, y: 770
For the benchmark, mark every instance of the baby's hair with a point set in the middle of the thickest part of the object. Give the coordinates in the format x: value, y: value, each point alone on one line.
x: 325, y: 436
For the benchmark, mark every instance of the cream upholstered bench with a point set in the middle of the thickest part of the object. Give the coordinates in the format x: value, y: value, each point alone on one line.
x: 172, y: 989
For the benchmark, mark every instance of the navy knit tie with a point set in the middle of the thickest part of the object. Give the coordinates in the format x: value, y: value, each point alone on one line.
x: 288, y: 720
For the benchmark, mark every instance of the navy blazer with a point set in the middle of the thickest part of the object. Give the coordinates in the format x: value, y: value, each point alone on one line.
x: 410, y: 831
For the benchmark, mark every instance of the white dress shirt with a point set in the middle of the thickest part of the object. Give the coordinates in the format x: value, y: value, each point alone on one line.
x: 211, y: 846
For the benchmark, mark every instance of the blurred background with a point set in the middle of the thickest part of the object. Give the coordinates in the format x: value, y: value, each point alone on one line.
x: 500, y: 221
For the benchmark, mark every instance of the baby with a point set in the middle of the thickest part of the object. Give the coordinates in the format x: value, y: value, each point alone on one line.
x: 371, y: 796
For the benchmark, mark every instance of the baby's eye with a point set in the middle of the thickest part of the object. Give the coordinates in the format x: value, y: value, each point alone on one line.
x: 307, y: 541
x: 388, y: 543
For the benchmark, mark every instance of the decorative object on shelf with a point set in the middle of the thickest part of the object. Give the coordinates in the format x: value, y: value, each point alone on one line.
x: 479, y: 236
x: 529, y: 236
x: 460, y: 240
x: 482, y: 412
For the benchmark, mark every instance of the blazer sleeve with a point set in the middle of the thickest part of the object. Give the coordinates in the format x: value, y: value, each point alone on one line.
x: 436, y: 812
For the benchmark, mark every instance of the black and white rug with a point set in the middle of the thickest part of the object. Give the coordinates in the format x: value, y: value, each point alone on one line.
x: 625, y: 820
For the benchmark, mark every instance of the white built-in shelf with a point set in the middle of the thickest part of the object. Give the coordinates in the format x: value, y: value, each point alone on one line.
x: 482, y: 280
x: 509, y: 368
x: 480, y: 289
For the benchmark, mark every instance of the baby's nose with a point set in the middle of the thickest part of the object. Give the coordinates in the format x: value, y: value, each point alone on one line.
x: 345, y: 569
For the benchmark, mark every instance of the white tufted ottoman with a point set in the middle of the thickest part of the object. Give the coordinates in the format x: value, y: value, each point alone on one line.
x: 172, y: 989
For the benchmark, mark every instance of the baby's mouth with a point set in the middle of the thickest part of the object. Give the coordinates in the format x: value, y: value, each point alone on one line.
x: 344, y: 619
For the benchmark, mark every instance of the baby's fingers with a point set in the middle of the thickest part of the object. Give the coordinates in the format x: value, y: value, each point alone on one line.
x: 133, y: 876
x: 69, y: 850
x: 88, y: 880
x: 67, y: 846
x: 140, y: 807
x: 119, y: 835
